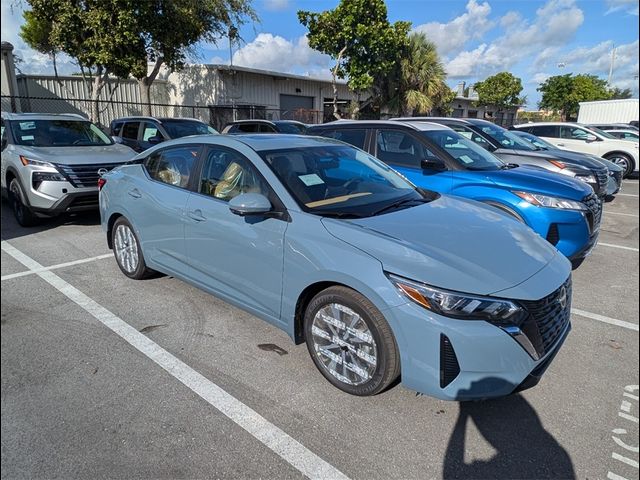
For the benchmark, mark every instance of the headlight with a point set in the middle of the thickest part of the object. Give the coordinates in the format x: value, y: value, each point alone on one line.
x: 587, y: 178
x: 550, y: 202
x: 28, y: 161
x: 459, y: 305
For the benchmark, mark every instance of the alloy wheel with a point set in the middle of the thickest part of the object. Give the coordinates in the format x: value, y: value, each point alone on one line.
x: 344, y: 344
x: 126, y: 248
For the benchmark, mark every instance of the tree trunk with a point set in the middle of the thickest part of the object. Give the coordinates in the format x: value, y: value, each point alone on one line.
x: 99, y: 81
x: 144, y: 85
x: 334, y: 83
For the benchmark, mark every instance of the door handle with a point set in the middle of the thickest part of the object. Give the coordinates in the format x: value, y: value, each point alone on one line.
x: 561, y: 144
x: 135, y: 193
x: 196, y: 215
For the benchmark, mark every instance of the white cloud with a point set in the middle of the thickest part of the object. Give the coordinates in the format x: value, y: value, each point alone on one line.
x: 277, y: 5
x: 539, y: 78
x: 554, y: 25
x: 452, y: 36
x: 629, y: 6
x: 273, y: 52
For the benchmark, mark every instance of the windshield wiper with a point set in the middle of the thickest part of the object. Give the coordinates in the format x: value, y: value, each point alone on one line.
x: 333, y: 214
x: 400, y: 203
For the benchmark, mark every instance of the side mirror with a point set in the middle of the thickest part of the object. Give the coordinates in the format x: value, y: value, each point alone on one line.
x: 155, y: 140
x: 432, y: 163
x: 250, y: 204
x: 591, y: 138
x: 117, y: 139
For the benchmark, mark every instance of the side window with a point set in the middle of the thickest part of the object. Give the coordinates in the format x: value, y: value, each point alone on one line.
x: 473, y: 136
x: 396, y: 147
x: 352, y: 136
x: 151, y: 131
x: 130, y: 130
x: 549, y: 131
x: 573, y: 133
x: 226, y: 174
x: 173, y: 166
x: 267, y: 129
x: 247, y: 127
x: 4, y: 137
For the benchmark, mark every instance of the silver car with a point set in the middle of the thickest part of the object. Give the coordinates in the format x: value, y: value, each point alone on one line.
x: 51, y: 163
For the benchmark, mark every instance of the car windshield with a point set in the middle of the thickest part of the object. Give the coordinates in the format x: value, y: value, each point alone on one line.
x: 58, y: 133
x: 602, y: 133
x: 505, y: 138
x: 184, y: 128
x: 468, y: 154
x: 341, y: 181
x: 285, y: 127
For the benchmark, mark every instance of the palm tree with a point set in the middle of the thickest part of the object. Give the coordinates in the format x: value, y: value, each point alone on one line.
x: 417, y: 81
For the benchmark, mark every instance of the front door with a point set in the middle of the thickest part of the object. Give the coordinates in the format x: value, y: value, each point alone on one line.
x: 575, y: 139
x: 240, y: 257
x: 404, y: 153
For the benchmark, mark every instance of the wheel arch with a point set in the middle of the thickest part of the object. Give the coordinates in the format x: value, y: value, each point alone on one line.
x: 304, y: 298
x: 621, y: 152
x: 110, y: 223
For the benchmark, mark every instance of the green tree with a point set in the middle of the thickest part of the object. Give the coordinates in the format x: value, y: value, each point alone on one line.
x: 617, y: 93
x: 358, y: 36
x: 563, y: 93
x: 416, y: 82
x: 501, y: 91
x: 443, y: 103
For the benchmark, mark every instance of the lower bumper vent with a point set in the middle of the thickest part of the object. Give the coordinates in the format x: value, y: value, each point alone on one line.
x: 449, y: 367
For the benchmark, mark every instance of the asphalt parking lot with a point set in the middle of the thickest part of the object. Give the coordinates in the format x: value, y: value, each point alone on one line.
x: 106, y: 377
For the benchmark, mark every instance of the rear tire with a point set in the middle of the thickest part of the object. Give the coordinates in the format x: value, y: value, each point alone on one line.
x: 126, y: 249
x: 23, y: 214
x: 350, y: 342
x: 622, y: 160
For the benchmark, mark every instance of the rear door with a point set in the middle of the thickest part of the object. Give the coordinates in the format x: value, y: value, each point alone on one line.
x: 405, y: 152
x: 157, y: 201
x: 130, y: 133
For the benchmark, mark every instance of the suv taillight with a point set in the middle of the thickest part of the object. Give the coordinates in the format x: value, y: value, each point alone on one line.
x: 101, y: 183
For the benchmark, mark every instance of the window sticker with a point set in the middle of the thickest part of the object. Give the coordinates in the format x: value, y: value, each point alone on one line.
x: 27, y: 125
x: 311, y: 179
x: 465, y: 158
x: 26, y: 138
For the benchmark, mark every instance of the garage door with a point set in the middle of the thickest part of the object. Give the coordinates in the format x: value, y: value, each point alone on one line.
x: 292, y: 103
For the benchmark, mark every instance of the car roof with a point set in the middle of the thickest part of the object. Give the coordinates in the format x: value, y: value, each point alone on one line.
x: 414, y: 125
x: 155, y: 119
x: 43, y: 116
x: 258, y: 142
x: 438, y: 120
x: 255, y: 120
x: 538, y: 124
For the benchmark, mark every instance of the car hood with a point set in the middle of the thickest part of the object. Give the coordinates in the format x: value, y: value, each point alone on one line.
x: 115, y: 153
x: 451, y: 243
x: 575, y: 158
x: 536, y: 179
x: 540, y: 155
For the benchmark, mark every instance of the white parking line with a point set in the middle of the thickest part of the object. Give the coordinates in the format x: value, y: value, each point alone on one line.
x: 626, y: 195
x: 602, y: 318
x: 622, y: 247
x: 634, y: 215
x: 289, y: 449
x: 54, y: 267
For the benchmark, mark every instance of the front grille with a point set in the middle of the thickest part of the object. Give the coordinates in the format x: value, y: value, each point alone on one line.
x: 449, y: 367
x: 553, y: 235
x: 617, y: 176
x: 81, y: 176
x: 82, y: 202
x: 548, y: 318
x: 603, y: 178
x: 594, y: 211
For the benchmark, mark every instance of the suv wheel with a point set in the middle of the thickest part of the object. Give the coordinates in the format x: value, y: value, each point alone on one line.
x: 127, y: 251
x: 350, y: 342
x: 22, y: 212
x: 622, y: 160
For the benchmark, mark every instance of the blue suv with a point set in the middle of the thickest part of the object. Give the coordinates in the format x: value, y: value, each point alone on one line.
x: 564, y: 211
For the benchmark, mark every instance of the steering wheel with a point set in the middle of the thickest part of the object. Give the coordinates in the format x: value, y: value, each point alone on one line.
x: 349, y: 185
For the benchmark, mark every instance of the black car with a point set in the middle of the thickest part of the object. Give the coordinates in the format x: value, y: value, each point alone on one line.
x: 141, y: 133
x: 512, y: 149
x: 265, y: 126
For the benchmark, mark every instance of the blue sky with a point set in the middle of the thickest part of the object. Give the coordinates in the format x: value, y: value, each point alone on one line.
x: 475, y: 38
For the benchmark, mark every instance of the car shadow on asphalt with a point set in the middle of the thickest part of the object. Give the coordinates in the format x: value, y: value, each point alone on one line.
x: 524, y: 449
x: 11, y: 229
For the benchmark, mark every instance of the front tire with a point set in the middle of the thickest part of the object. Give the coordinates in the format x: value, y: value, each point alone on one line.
x: 23, y: 214
x: 350, y: 342
x: 126, y: 249
x: 622, y: 160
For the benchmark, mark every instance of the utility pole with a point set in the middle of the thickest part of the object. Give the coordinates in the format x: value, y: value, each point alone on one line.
x: 613, y: 58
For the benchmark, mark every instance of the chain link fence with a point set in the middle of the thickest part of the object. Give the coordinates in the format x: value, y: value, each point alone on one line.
x: 218, y: 116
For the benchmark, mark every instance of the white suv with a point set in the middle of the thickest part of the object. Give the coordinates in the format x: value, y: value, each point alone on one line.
x: 51, y: 163
x: 580, y: 138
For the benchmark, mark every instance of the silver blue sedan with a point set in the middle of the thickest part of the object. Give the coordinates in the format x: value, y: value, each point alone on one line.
x: 381, y: 279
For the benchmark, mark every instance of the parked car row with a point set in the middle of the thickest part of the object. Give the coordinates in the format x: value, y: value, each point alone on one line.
x: 390, y: 259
